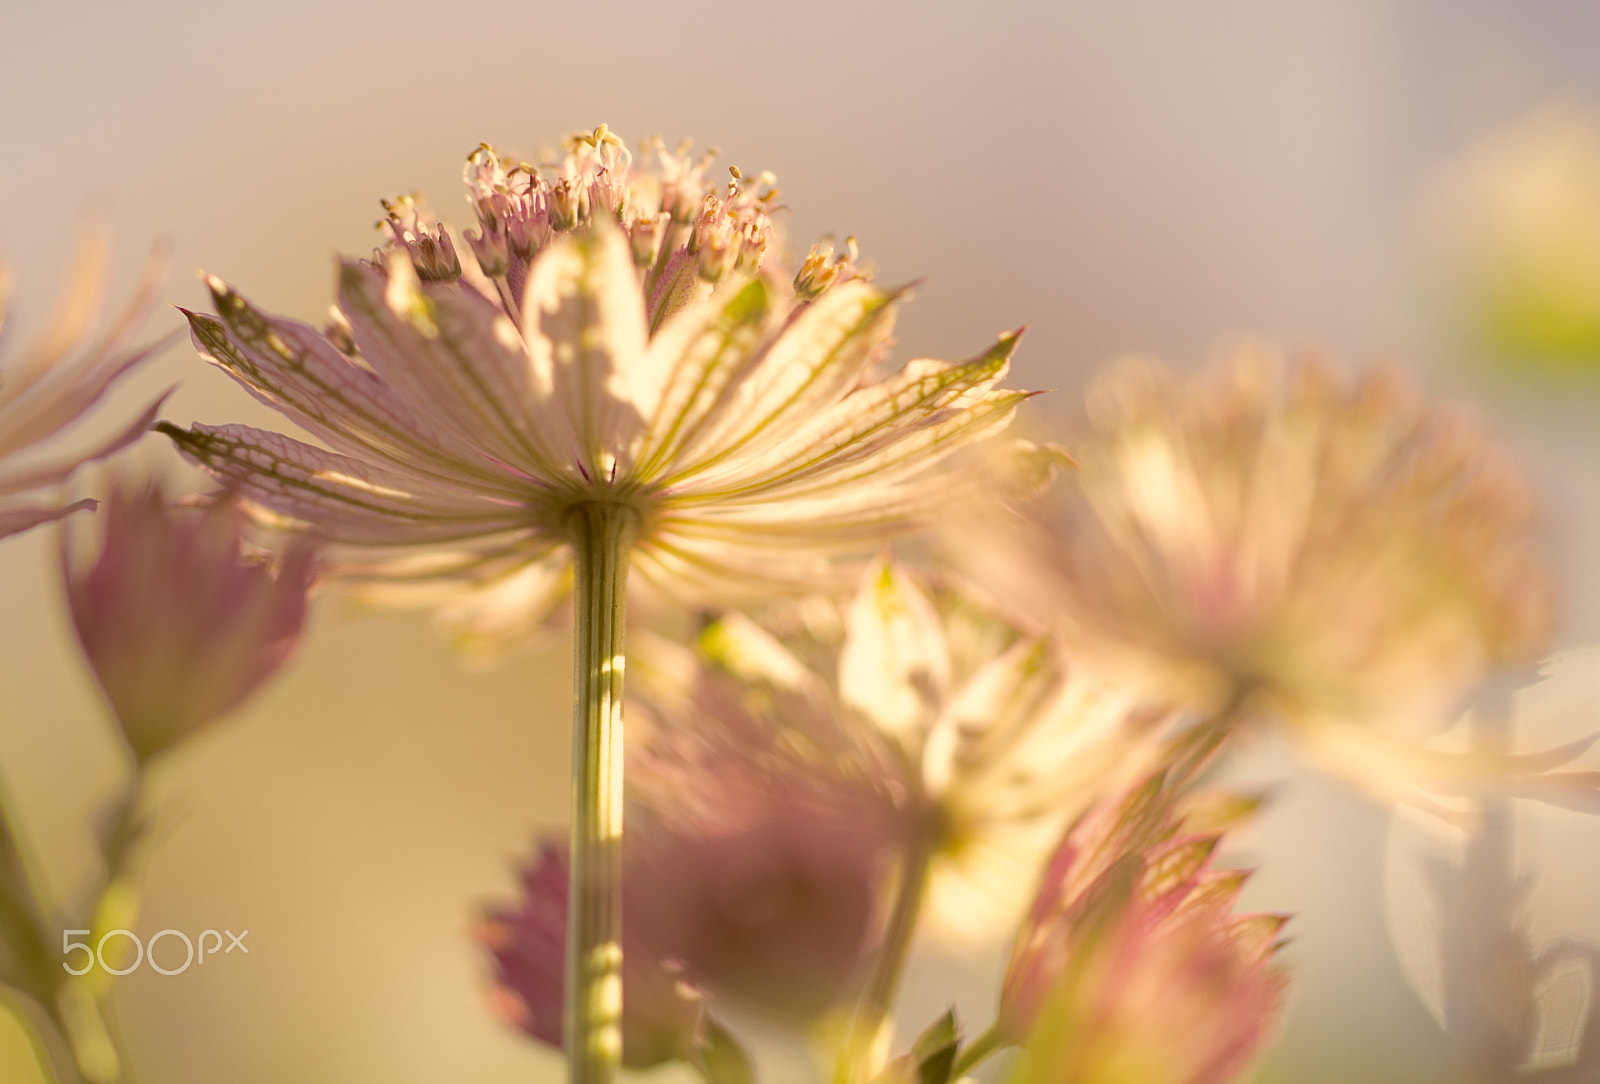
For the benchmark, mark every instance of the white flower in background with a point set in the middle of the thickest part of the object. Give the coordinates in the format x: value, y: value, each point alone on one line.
x: 1272, y: 534
x: 981, y: 738
x: 58, y: 379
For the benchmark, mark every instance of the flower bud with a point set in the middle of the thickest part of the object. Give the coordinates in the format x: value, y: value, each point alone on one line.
x: 1132, y: 965
x: 178, y: 625
x: 414, y: 229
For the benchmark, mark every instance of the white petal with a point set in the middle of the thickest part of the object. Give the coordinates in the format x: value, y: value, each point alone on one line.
x: 894, y: 666
x: 59, y: 470
x: 699, y: 351
x: 888, y: 431
x: 449, y: 351
x: 584, y: 321
x: 811, y: 365
x: 17, y: 520
x: 339, y: 497
x: 292, y: 368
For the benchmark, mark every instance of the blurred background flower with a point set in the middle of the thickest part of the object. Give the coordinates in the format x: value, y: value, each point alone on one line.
x: 767, y: 880
x: 1519, y: 218
x: 46, y: 391
x: 662, y: 1014
x: 178, y: 623
x: 1478, y: 904
x: 1131, y: 965
x: 977, y: 740
x: 1273, y: 538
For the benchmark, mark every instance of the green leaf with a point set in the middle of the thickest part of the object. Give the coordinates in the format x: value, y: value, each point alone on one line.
x: 719, y: 1058
x: 935, y: 1050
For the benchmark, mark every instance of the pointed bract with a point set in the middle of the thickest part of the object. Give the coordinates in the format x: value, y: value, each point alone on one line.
x: 1131, y: 965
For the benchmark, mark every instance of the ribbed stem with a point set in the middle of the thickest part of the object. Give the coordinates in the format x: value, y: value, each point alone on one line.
x: 602, y: 535
x: 977, y: 1052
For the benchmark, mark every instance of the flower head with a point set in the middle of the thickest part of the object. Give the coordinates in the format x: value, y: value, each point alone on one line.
x: 973, y: 735
x: 662, y: 1013
x: 1273, y: 529
x: 58, y: 380
x: 738, y: 885
x: 613, y: 343
x: 1132, y: 966
x: 765, y: 878
x: 179, y: 626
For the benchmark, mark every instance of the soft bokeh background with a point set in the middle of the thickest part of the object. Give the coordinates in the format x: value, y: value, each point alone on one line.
x: 1121, y: 176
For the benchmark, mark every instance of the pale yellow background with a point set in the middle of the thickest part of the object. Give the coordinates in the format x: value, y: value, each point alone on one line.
x: 1121, y: 176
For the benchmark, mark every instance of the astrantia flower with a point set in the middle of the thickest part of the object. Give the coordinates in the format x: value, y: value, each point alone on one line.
x: 743, y: 881
x: 663, y: 1012
x: 58, y: 380
x: 1274, y: 533
x: 766, y: 878
x: 615, y: 345
x: 978, y: 736
x: 1132, y: 966
x: 179, y: 626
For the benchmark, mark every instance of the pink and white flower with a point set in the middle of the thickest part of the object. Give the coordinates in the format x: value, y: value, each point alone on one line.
x: 1132, y: 964
x: 610, y: 343
x: 1276, y: 534
x: 59, y: 379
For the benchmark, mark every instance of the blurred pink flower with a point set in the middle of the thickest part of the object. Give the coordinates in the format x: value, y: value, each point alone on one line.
x: 662, y: 1013
x: 604, y: 338
x: 47, y: 389
x: 1273, y: 532
x: 178, y: 625
x: 767, y: 881
x: 739, y: 883
x: 1131, y: 965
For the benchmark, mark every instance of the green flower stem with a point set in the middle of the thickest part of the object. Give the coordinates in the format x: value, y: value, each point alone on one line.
x: 44, y: 1034
x: 872, y: 1013
x: 82, y: 1014
x: 16, y: 849
x: 67, y: 1018
x: 27, y: 916
x: 978, y: 1051
x: 602, y: 536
